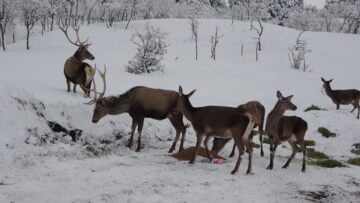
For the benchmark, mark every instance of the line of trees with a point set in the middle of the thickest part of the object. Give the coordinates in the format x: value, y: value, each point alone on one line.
x: 337, y: 16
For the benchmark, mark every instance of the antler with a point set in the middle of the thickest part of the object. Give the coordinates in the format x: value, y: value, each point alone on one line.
x: 78, y: 42
x: 96, y: 98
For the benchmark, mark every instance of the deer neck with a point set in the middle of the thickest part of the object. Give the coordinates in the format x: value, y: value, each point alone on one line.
x: 273, y: 119
x: 118, y: 105
x: 329, y: 91
x: 188, y: 111
x: 78, y: 56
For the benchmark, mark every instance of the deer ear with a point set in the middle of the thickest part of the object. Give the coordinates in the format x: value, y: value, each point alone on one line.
x: 191, y: 93
x: 322, y: 79
x: 180, y: 90
x: 279, y: 95
x: 331, y: 80
x: 289, y: 97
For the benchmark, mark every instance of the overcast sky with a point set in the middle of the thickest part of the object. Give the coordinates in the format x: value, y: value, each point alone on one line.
x: 317, y: 3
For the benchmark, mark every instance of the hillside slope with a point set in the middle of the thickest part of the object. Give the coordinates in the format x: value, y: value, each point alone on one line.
x: 99, y: 168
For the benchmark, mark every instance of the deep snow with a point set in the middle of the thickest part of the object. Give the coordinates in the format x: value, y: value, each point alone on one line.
x: 68, y: 172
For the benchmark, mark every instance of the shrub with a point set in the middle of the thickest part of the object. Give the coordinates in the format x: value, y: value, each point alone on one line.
x: 309, y: 142
x: 325, y: 132
x: 151, y: 48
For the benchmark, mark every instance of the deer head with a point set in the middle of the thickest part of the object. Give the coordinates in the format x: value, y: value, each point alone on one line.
x: 284, y: 103
x: 326, y: 83
x: 183, y: 101
x: 82, y: 52
x: 100, y: 109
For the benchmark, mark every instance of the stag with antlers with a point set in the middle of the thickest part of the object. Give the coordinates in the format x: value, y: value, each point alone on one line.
x: 75, y: 70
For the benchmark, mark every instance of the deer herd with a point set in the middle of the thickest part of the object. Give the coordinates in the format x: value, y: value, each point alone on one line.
x: 222, y: 123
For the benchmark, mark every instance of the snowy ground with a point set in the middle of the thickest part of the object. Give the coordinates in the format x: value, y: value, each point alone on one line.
x: 32, y: 84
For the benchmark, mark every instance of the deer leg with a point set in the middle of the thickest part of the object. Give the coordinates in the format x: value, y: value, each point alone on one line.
x: 133, y: 127
x: 140, y: 127
x: 250, y: 151
x: 303, y: 148
x: 358, y: 112
x: 206, y: 141
x: 337, y: 106
x: 295, y: 149
x: 232, y: 154
x: 197, y: 148
x: 261, y: 145
x: 178, y: 125
x: 74, y: 89
x: 273, y: 147
x: 68, y: 84
x: 239, y: 145
x: 183, y: 131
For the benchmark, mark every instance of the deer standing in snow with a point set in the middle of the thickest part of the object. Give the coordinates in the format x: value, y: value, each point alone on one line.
x: 140, y: 103
x: 75, y: 70
x: 344, y: 97
x: 255, y: 111
x: 281, y: 128
x: 220, y: 122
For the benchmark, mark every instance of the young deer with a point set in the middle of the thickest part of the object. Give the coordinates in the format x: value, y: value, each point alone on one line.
x: 344, y: 97
x: 141, y: 103
x: 285, y: 128
x: 218, y: 121
x: 75, y: 70
x: 255, y: 111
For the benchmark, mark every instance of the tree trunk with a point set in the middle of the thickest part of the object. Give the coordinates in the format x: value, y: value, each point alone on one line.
x: 27, y: 37
x: 3, y: 40
x: 52, y: 22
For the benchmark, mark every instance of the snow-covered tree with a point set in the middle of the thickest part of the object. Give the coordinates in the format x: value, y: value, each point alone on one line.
x: 7, y: 15
x: 151, y: 48
x: 29, y: 16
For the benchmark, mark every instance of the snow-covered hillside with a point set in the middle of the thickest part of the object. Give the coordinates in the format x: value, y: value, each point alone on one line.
x: 99, y: 168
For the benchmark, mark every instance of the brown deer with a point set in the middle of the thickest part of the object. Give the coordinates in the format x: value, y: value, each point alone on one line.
x: 140, y: 103
x: 75, y: 70
x: 255, y: 112
x: 344, y: 97
x: 218, y: 121
x: 281, y: 128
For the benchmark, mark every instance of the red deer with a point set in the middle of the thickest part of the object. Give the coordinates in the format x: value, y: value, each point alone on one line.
x: 344, y: 97
x: 139, y: 103
x: 75, y: 70
x: 281, y: 128
x: 218, y: 121
x: 255, y: 111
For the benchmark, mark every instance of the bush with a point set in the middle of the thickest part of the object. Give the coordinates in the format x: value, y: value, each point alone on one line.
x: 151, y: 50
x: 325, y: 132
x: 356, y: 145
x: 355, y: 151
x: 309, y: 142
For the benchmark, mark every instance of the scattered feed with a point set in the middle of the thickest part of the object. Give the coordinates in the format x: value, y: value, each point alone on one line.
x: 186, y: 154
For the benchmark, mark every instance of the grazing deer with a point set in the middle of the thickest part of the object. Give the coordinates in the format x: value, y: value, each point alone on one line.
x: 139, y: 103
x: 218, y: 121
x: 255, y: 111
x: 281, y: 128
x: 344, y: 97
x: 75, y: 70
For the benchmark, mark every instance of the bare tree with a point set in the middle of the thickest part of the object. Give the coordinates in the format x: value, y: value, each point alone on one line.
x: 132, y: 12
x: 297, y: 54
x: 214, y: 42
x: 29, y: 16
x: 259, y: 32
x: 194, y: 27
x: 6, y: 17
